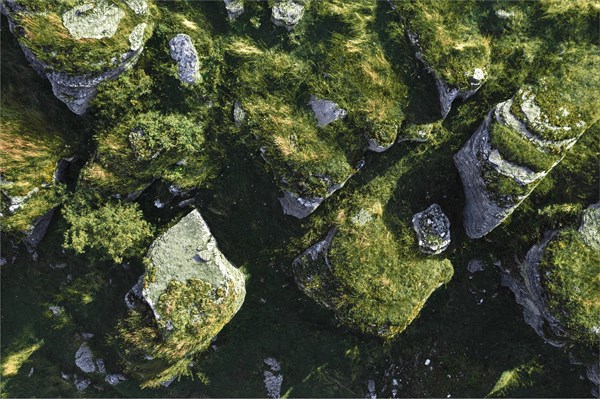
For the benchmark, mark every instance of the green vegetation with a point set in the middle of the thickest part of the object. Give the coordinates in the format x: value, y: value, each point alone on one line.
x: 572, y: 280
x: 111, y: 231
x: 450, y: 39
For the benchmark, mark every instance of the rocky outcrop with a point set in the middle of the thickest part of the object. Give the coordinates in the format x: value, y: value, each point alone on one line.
x: 326, y: 111
x: 433, y: 230
x: 234, y: 8
x: 448, y: 93
x: 300, y: 207
x: 183, y: 51
x: 528, y: 291
x: 90, y: 21
x: 480, y: 166
x: 185, y: 253
x: 287, y: 13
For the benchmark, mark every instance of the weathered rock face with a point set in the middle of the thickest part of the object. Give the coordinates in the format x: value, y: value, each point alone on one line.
x: 234, y: 8
x: 300, y: 207
x: 326, y: 111
x: 287, y: 13
x: 448, y: 93
x: 97, y: 20
x: 188, y: 252
x: 184, y: 52
x: 528, y: 291
x: 433, y: 229
x: 481, y: 165
x: 590, y: 226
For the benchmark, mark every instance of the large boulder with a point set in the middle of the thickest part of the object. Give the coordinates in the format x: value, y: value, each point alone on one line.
x: 183, y: 51
x: 93, y: 42
x: 433, y: 229
x: 184, y: 256
x: 484, y: 164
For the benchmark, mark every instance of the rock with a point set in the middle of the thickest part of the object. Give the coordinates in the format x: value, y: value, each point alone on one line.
x: 134, y: 294
x: 475, y: 265
x: 37, y: 231
x: 287, y: 13
x: 297, y: 206
x: 168, y: 382
x: 528, y: 292
x: 100, y: 366
x: 86, y: 336
x: 239, y: 115
x: 273, y: 381
x: 234, y: 8
x: 372, y: 394
x: 184, y: 52
x: 136, y: 38
x: 433, y: 230
x: 81, y: 383
x: 447, y: 93
x: 56, y: 310
x: 173, y: 262
x: 326, y: 111
x: 114, y: 379
x: 31, y: 370
x: 479, y: 164
x: 590, y: 226
x: 94, y: 20
x: 84, y: 359
x: 140, y: 7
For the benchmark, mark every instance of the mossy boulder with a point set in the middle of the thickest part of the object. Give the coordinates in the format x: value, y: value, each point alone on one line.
x: 77, y: 45
x: 192, y: 291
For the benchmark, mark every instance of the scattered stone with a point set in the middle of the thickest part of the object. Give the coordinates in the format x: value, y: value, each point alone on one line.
x: 297, y: 206
x: 136, y: 37
x: 239, y: 115
x: 168, y: 382
x: 287, y: 13
x: 234, y: 8
x: 82, y: 383
x: 326, y: 111
x: 475, y: 265
x: 505, y: 14
x: 100, y: 366
x: 96, y: 20
x: 272, y: 363
x: 87, y: 336
x: 114, y: 379
x: 433, y: 230
x: 56, y: 310
x: 159, y: 204
x: 362, y: 217
x: 84, y: 359
x: 371, y: 390
x: 184, y: 52
x: 427, y: 362
x: 30, y: 372
x: 3, y: 261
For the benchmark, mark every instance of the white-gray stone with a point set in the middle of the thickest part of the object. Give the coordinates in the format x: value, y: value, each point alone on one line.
x: 93, y: 20
x: 114, y: 379
x: 82, y: 383
x: 433, y: 229
x: 287, y: 13
x: 183, y: 51
x: 140, y: 7
x: 590, y: 226
x: 234, y: 8
x: 475, y: 265
x: 326, y: 111
x: 239, y: 115
x: 136, y: 37
x: 84, y: 359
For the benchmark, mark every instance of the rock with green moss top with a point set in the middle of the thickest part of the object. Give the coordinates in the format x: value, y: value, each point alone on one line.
x: 433, y: 230
x: 184, y: 253
x: 498, y: 151
x: 234, y: 8
x: 287, y: 13
x: 79, y: 47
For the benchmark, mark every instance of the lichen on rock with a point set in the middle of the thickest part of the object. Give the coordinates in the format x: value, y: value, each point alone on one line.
x: 433, y: 230
x: 287, y: 13
x: 95, y: 20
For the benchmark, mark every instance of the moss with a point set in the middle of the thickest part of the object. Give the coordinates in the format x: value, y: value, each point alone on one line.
x: 570, y: 275
x: 516, y: 149
x: 450, y: 39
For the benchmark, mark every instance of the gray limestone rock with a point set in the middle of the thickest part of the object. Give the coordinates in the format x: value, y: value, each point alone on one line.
x: 287, y: 13
x: 183, y: 51
x: 93, y: 20
x: 528, y: 291
x: 234, y: 8
x: 590, y: 226
x: 326, y: 111
x: 114, y: 379
x: 189, y: 251
x: 84, y: 359
x: 433, y: 229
